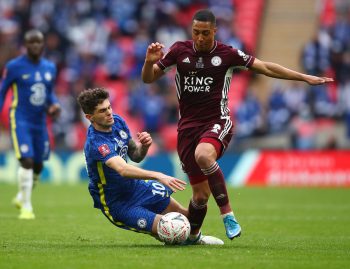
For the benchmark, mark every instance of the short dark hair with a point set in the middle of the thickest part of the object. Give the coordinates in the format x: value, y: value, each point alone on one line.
x: 205, y: 15
x: 89, y: 99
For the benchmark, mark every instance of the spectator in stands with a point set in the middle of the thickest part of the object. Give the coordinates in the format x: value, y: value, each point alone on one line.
x: 248, y: 117
x: 278, y: 114
x: 315, y: 57
x: 295, y: 96
x: 303, y: 130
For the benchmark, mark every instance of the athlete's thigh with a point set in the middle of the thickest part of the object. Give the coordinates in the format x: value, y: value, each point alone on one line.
x: 41, y: 145
x: 22, y: 139
x: 186, y: 146
x: 150, y: 198
x: 134, y: 218
x: 222, y: 130
x: 155, y: 197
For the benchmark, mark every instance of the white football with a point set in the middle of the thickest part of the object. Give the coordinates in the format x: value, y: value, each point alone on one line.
x: 173, y: 228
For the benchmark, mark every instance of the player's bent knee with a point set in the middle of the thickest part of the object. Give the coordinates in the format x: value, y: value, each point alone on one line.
x: 27, y: 163
x: 200, y: 200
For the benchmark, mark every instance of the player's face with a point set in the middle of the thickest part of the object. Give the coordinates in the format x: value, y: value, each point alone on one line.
x: 102, y: 119
x: 35, y: 45
x: 203, y: 35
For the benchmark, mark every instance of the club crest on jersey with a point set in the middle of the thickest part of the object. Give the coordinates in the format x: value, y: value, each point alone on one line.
x: 199, y: 63
x: 216, y: 61
x: 48, y: 76
x: 104, y: 150
x: 123, y: 134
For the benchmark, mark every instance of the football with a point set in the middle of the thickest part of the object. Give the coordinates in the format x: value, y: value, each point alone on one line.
x: 173, y: 228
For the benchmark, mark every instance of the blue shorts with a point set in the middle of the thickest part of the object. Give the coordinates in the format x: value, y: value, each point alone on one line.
x: 30, y: 141
x: 138, y: 213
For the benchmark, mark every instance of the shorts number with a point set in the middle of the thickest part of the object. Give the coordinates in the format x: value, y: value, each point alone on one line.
x: 158, y: 189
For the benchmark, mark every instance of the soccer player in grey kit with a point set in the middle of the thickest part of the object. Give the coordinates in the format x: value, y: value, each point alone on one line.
x: 204, y: 70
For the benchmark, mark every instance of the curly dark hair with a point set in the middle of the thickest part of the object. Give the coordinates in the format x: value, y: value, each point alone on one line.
x: 90, y: 98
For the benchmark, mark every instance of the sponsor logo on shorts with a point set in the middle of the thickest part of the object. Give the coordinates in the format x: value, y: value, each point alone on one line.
x: 24, y: 148
x: 142, y: 223
x: 216, y: 128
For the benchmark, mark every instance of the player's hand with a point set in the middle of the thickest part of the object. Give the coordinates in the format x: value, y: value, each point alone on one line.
x: 54, y: 110
x: 313, y: 80
x: 154, y: 52
x: 145, y: 139
x: 173, y: 183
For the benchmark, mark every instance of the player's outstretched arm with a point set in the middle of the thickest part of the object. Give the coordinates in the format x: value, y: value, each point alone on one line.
x: 277, y: 71
x: 150, y: 71
x: 129, y: 171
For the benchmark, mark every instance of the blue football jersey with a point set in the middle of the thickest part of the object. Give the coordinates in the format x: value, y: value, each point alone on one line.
x: 99, y: 147
x: 33, y: 88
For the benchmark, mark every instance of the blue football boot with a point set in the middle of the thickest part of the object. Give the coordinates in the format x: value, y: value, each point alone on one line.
x: 233, y: 229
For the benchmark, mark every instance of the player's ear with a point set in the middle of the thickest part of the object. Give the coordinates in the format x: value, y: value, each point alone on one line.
x: 88, y: 116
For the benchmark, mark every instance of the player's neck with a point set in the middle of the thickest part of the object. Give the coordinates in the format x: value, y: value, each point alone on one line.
x: 101, y: 128
x: 34, y: 59
x: 206, y: 51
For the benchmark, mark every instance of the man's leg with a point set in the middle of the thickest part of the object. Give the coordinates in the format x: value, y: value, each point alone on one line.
x: 197, y: 208
x: 206, y: 155
x: 25, y: 183
x: 37, y: 168
x: 196, y: 238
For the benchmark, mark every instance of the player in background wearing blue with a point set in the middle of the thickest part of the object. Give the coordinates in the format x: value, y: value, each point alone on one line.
x: 130, y: 197
x: 32, y: 79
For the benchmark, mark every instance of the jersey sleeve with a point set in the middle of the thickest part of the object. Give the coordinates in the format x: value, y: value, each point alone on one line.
x: 7, y: 80
x: 169, y: 59
x: 102, y: 149
x: 240, y: 59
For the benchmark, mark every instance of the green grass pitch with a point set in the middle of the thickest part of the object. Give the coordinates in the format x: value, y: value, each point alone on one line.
x: 282, y: 228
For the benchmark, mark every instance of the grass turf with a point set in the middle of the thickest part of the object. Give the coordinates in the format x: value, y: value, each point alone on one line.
x: 282, y: 228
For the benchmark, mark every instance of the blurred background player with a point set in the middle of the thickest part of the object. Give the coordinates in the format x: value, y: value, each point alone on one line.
x: 32, y: 79
x: 203, y: 77
x: 119, y: 189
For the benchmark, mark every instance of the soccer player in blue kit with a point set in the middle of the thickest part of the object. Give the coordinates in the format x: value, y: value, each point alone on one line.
x: 31, y: 78
x: 132, y: 198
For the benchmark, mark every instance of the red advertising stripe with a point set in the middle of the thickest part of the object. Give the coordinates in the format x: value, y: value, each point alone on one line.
x: 296, y: 168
